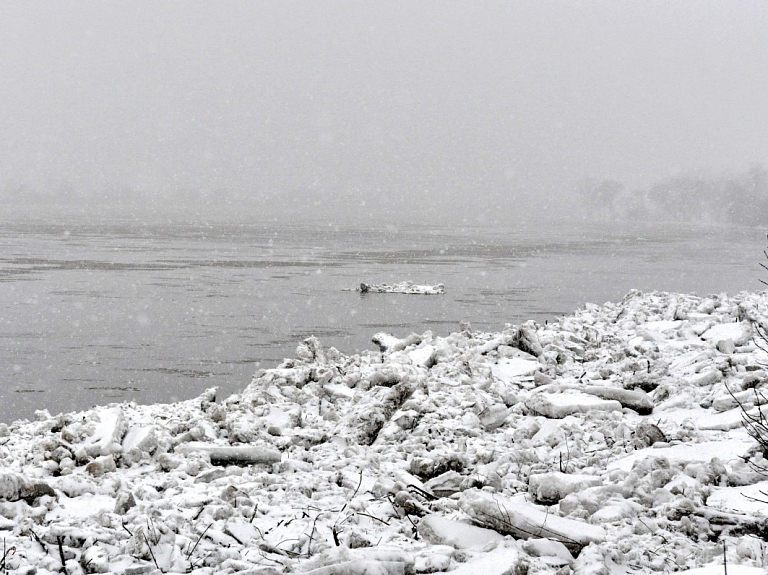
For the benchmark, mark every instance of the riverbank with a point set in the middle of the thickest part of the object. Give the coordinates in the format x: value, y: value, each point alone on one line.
x: 609, y: 441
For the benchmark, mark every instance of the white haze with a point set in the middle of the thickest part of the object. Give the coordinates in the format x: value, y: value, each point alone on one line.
x: 472, y: 111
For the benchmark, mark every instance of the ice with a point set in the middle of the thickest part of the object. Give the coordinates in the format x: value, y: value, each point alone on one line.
x: 739, y: 333
x: 524, y: 521
x: 443, y: 531
x: 555, y: 552
x: 108, y: 431
x: 552, y: 487
x: 226, y: 454
x: 499, y: 561
x: 725, y: 450
x: 749, y: 499
x: 79, y: 508
x: 509, y: 370
x: 721, y: 570
x: 405, y: 287
x: 638, y: 401
x: 609, y: 441
x: 558, y: 406
x: 140, y: 437
x: 423, y: 356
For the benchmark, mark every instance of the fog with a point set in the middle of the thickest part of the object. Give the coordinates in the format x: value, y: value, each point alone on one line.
x: 473, y: 111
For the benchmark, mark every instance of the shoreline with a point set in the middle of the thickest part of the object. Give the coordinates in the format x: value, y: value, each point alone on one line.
x: 605, y: 421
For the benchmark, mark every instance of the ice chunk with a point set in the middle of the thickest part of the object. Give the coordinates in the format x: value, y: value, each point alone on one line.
x: 706, y: 377
x: 80, y: 508
x: 749, y: 499
x: 405, y: 287
x: 510, y: 369
x: 552, y: 487
x: 719, y: 569
x: 442, y: 531
x: 724, y: 450
x: 11, y: 485
x: 500, y: 561
x: 550, y: 549
x: 740, y: 333
x: 95, y: 559
x: 228, y: 454
x: 108, y: 432
x: 638, y: 401
x: 524, y: 521
x: 423, y: 356
x: 101, y: 465
x: 388, y: 342
x: 661, y: 326
x: 493, y: 416
x: 141, y: 437
x: 360, y: 567
x: 559, y: 405
x: 445, y: 484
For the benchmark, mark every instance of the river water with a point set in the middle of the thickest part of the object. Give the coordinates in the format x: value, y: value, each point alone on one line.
x: 134, y: 311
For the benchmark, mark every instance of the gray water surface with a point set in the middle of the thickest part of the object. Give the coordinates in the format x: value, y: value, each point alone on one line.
x: 147, y: 312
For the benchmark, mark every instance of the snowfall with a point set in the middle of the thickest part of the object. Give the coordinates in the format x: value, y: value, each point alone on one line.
x: 620, y: 439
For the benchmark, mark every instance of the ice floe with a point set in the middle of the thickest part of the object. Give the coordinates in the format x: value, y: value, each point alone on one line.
x: 406, y: 287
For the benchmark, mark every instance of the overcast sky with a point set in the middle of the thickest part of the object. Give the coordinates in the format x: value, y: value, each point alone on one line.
x: 371, y: 105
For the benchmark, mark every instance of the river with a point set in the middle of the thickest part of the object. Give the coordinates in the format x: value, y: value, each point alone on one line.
x: 94, y: 313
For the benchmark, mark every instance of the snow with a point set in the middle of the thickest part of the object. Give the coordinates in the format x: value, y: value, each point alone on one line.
x: 749, y: 499
x: 496, y: 562
x: 740, y: 332
x: 552, y: 487
x: 510, y: 369
x: 557, y: 406
x: 610, y: 441
x: 729, y: 570
x: 444, y: 531
x: 725, y: 450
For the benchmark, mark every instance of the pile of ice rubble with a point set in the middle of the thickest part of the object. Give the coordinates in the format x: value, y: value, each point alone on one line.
x: 406, y: 287
x: 610, y: 441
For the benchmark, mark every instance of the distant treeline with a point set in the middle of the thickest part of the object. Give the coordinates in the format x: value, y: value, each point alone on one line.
x: 111, y: 199
x: 740, y: 198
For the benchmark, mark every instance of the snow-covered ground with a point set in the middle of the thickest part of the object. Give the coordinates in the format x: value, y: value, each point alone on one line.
x: 611, y: 441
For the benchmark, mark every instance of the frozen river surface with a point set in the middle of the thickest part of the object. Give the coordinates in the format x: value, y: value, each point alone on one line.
x: 155, y: 312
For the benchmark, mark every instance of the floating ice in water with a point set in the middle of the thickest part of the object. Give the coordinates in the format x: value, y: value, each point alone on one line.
x: 405, y: 287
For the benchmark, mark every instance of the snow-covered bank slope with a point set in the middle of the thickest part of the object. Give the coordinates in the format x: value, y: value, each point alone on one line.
x: 610, y: 441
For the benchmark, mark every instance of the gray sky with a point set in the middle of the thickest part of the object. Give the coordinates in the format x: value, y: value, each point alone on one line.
x: 471, y: 107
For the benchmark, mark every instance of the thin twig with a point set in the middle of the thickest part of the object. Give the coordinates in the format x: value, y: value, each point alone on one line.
x: 36, y: 537
x: 198, y: 541
x: 126, y: 528
x: 61, y: 555
x: 385, y: 522
x: 312, y: 535
x: 6, y: 552
x: 150, y: 552
x: 199, y: 512
x: 425, y: 494
x: 351, y: 497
